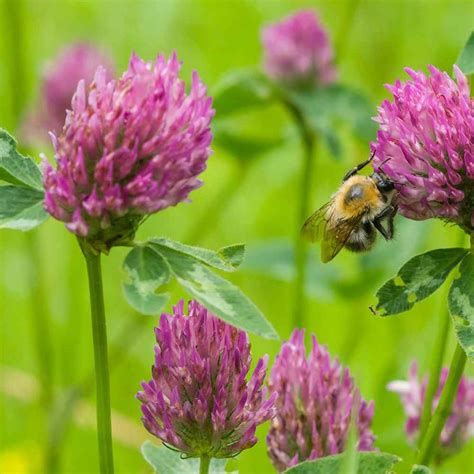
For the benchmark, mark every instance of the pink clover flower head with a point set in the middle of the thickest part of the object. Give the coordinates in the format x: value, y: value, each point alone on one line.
x: 298, y: 52
x: 77, y: 61
x: 199, y: 400
x: 316, y: 397
x: 129, y: 148
x: 459, y: 426
x: 425, y: 144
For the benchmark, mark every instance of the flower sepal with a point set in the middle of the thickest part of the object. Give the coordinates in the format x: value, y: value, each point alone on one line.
x: 200, y: 399
x: 121, y: 234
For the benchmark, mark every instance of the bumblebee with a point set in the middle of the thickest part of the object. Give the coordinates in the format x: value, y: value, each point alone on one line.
x: 360, y: 208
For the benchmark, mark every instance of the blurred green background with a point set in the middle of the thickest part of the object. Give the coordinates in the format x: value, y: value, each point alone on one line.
x: 374, y: 40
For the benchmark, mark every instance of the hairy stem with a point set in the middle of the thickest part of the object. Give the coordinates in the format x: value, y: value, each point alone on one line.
x: 99, y: 333
x: 300, y: 246
x: 204, y: 464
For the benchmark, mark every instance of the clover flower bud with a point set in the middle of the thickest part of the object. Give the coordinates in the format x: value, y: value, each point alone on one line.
x: 199, y: 400
x: 459, y: 426
x: 316, y: 398
x: 298, y: 51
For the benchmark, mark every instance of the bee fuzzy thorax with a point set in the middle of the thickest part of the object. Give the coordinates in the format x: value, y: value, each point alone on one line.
x: 358, y: 195
x: 362, y: 207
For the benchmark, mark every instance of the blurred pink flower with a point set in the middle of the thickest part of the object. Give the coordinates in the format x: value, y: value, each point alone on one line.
x: 129, y: 148
x: 316, y: 397
x: 60, y: 79
x: 298, y: 51
x: 199, y: 400
x: 425, y: 144
x: 459, y: 426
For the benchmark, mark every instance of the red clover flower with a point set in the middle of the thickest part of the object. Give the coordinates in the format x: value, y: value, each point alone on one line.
x: 316, y: 397
x: 459, y: 426
x: 425, y: 144
x: 129, y: 148
x: 298, y: 51
x: 199, y: 400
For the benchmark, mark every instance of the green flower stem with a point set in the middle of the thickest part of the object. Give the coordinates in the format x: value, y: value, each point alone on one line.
x: 300, y: 246
x: 65, y: 405
x: 204, y: 464
x: 99, y: 333
x: 434, y: 373
x: 436, y: 364
x: 430, y: 442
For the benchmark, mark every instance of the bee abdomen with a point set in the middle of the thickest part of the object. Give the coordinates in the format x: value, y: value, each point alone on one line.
x: 362, y: 238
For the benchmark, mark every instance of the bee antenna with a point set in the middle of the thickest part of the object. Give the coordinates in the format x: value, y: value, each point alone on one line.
x: 354, y: 171
x: 383, y: 162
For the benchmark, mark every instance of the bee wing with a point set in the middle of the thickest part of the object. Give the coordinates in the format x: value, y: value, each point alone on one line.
x: 335, y: 237
x: 320, y: 227
x: 314, y: 228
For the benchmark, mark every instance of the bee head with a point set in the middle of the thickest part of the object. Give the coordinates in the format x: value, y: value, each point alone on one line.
x: 383, y: 182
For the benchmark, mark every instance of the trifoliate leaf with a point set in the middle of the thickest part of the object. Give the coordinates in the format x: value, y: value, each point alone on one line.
x: 21, y: 208
x: 220, y: 297
x: 147, y: 271
x: 461, y: 304
x: 16, y: 168
x: 209, y: 257
x: 369, y: 463
x: 153, y: 263
x: 166, y: 461
x: 417, y: 279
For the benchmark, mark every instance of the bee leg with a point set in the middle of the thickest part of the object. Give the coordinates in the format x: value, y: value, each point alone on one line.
x: 354, y: 171
x: 386, y: 233
x: 386, y: 214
